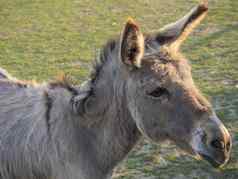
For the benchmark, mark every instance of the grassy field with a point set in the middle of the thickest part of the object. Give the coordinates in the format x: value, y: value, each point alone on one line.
x: 42, y: 38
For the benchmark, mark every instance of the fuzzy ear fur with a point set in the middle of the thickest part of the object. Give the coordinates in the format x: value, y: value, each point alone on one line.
x: 132, y: 44
x: 176, y: 33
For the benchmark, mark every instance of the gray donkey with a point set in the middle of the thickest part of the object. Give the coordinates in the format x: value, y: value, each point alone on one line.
x: 141, y: 85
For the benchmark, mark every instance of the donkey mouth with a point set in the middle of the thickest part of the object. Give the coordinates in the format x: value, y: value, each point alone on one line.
x: 213, y: 162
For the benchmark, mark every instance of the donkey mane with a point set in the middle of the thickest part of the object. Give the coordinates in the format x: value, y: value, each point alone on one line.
x: 61, y: 81
x: 112, y: 46
x: 104, y: 56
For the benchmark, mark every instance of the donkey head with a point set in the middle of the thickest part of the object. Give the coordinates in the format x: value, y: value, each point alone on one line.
x: 162, y: 97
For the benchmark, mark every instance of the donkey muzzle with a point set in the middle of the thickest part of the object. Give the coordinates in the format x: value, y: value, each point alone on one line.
x: 213, y: 142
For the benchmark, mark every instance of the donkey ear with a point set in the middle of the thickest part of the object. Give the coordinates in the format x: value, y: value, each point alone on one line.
x: 131, y: 44
x: 177, y: 32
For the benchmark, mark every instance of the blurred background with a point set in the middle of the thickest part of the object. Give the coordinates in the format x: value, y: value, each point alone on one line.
x: 42, y: 38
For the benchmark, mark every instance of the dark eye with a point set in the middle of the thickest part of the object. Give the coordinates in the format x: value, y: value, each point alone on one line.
x: 158, y: 92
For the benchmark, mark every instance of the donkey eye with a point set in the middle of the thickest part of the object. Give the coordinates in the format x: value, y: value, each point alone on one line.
x: 158, y: 92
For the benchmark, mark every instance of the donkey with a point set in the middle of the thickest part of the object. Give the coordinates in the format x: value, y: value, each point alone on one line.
x: 140, y: 86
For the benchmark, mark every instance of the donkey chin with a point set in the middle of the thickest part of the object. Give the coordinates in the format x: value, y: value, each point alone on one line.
x: 210, y: 145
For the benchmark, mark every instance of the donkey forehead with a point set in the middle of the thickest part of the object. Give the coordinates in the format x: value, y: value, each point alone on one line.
x: 166, y: 65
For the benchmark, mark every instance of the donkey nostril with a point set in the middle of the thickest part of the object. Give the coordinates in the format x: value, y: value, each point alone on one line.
x: 228, y: 146
x: 218, y: 144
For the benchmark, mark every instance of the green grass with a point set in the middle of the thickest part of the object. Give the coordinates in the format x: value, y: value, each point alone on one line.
x: 41, y: 38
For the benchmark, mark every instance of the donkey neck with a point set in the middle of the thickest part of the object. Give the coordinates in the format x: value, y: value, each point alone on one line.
x: 117, y: 132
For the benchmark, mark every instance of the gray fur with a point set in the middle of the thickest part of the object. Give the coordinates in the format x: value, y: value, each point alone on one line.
x: 61, y: 144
